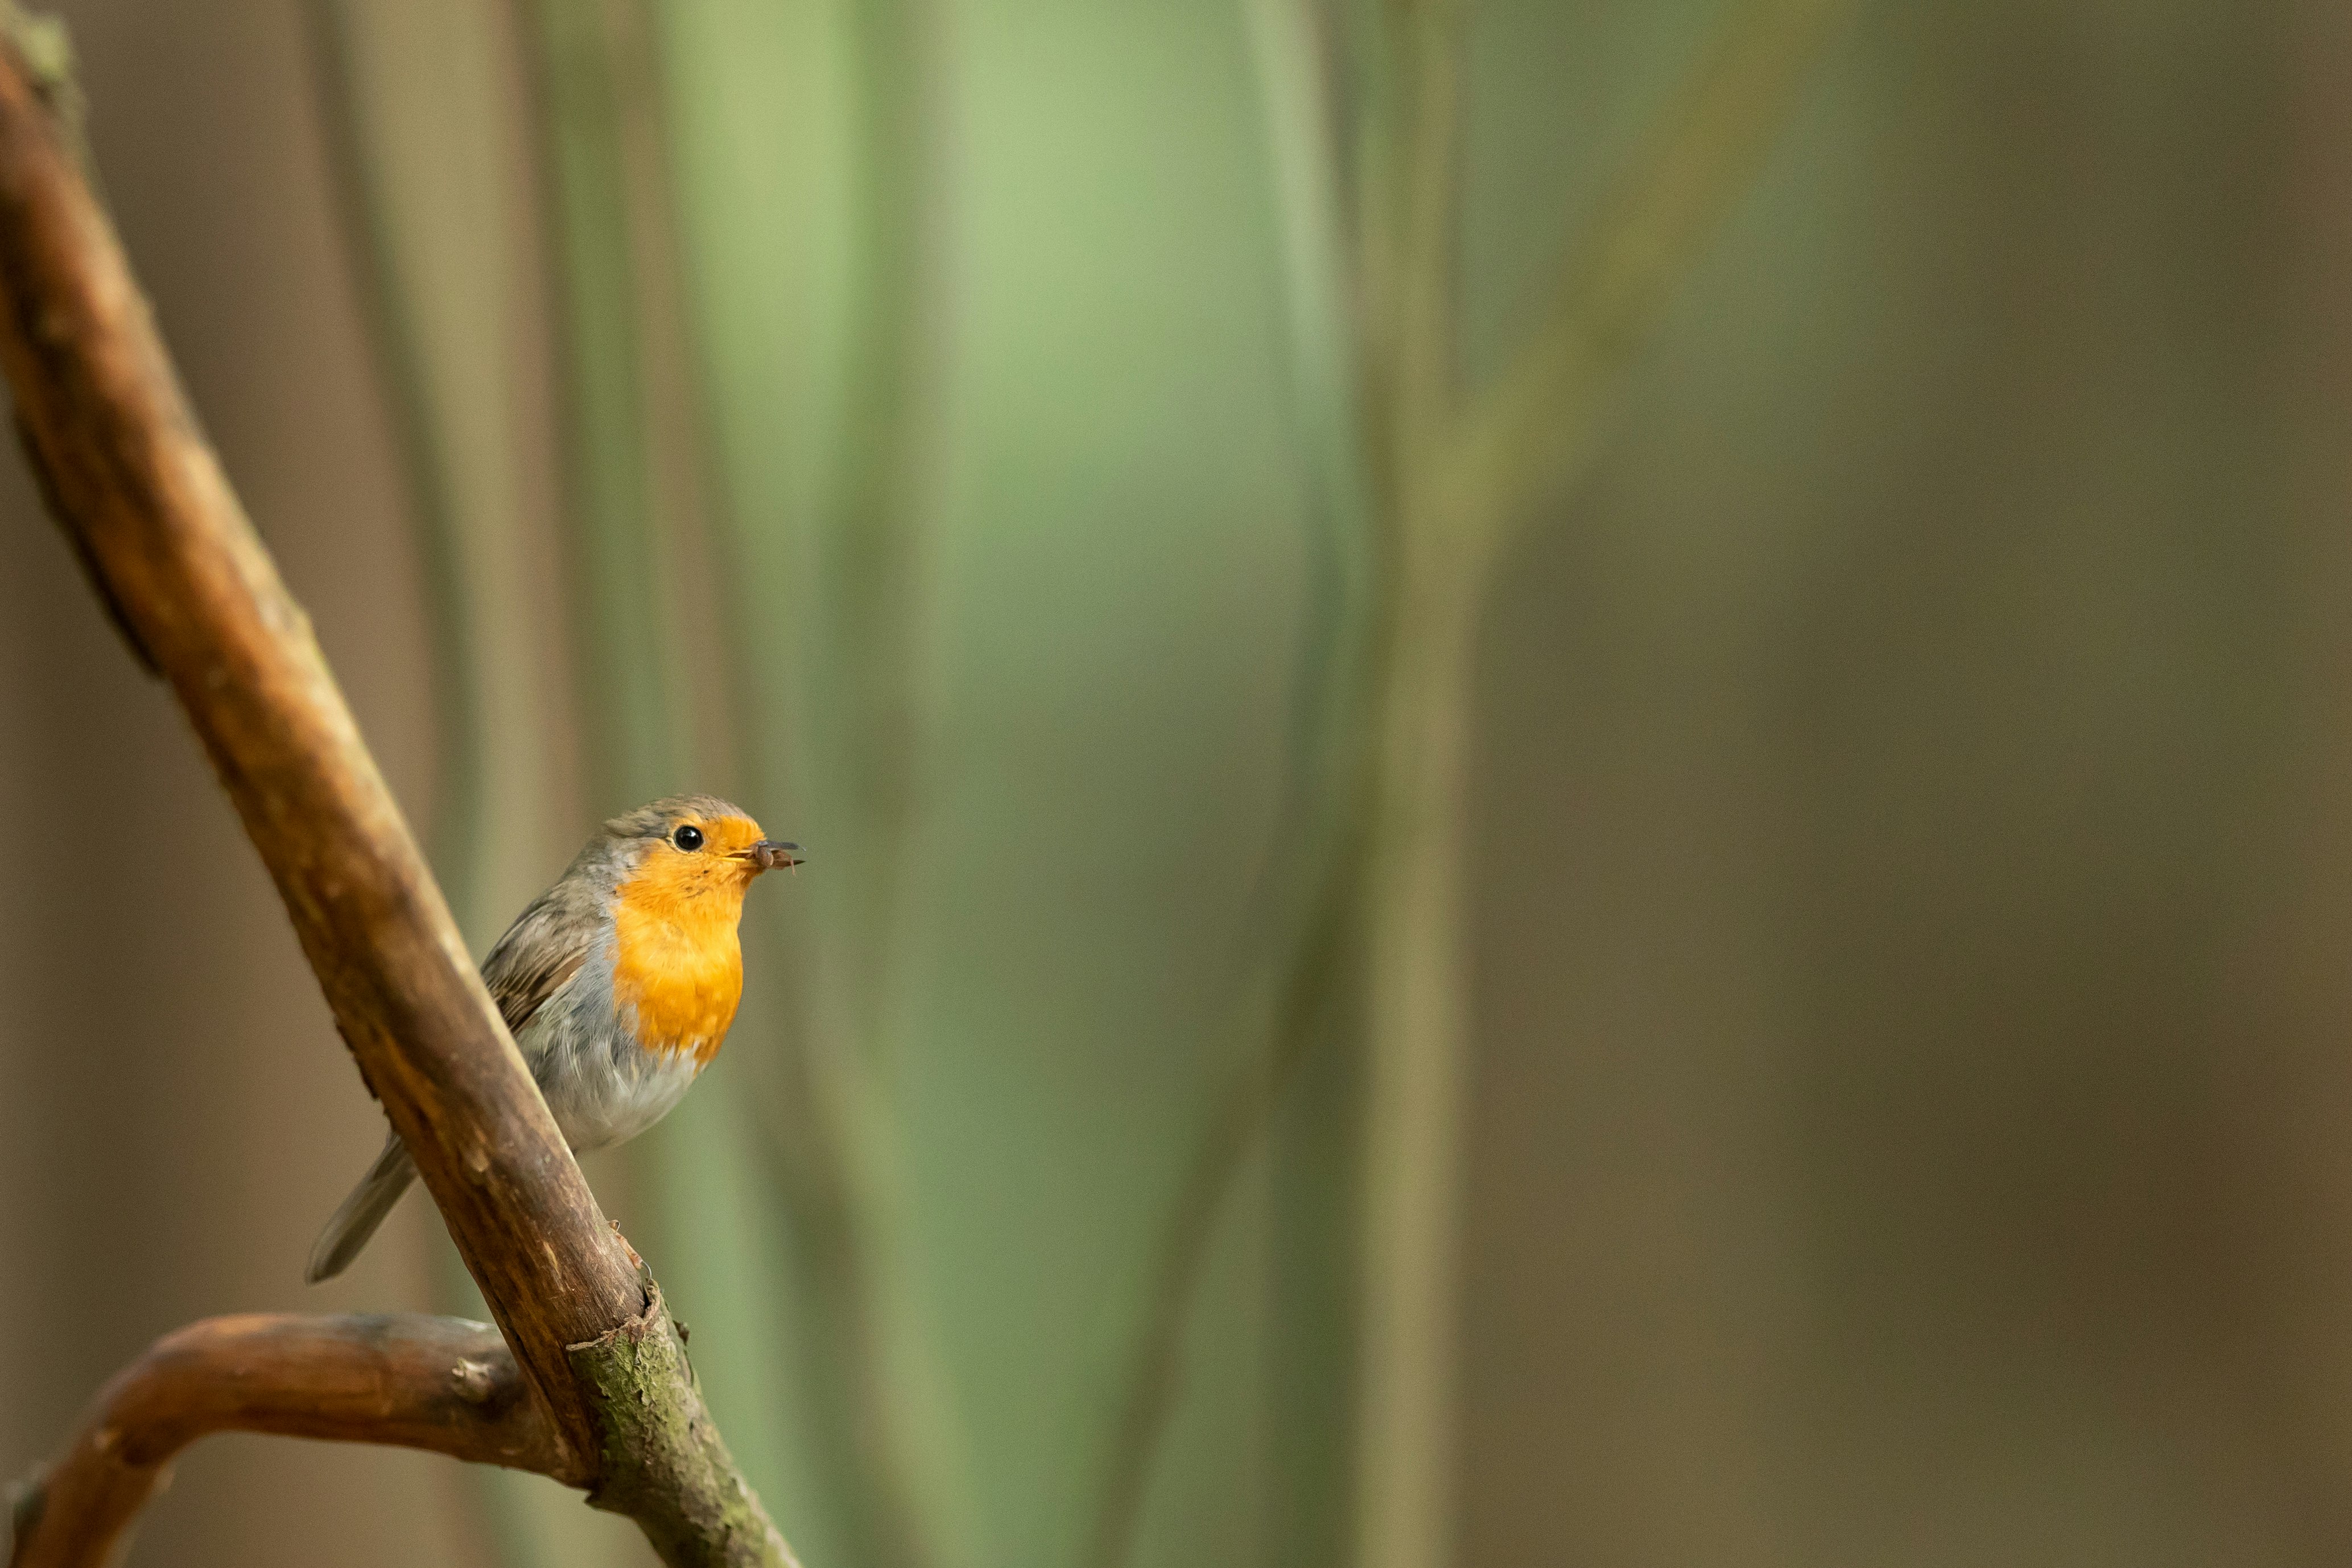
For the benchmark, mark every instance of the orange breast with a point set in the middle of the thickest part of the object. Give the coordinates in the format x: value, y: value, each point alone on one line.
x: 678, y: 961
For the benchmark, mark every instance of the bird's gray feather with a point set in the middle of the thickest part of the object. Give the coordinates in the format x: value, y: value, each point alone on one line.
x: 362, y: 1212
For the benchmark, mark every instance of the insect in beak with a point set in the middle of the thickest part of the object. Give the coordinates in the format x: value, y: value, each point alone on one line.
x: 768, y: 854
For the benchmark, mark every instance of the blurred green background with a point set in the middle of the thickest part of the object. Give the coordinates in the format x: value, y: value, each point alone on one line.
x: 1726, y: 947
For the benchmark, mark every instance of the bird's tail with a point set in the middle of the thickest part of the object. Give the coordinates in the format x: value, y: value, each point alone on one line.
x: 362, y: 1212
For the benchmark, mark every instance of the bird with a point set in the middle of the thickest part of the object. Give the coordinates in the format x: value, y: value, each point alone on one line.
x: 618, y: 984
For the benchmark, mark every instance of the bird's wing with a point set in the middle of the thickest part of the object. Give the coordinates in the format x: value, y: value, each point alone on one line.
x: 544, y: 948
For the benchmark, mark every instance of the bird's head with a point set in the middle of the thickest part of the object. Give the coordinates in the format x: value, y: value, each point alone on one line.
x: 687, y: 847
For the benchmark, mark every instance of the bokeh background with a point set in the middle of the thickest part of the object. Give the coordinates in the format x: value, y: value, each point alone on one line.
x: 1902, y: 1106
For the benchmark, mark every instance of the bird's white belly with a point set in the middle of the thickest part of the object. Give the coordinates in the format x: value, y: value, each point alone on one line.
x: 603, y: 1089
x: 597, y: 1116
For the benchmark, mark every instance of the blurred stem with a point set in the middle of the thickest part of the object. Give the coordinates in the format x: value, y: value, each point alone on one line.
x: 1415, y: 1035
x: 873, y: 580
x: 1430, y: 33
x: 1417, y: 1052
x: 1530, y: 435
x: 1447, y: 490
x: 1296, y: 943
x: 840, y: 540
x: 363, y: 207
x: 367, y: 213
x: 1463, y: 489
x: 633, y: 699
x: 873, y: 562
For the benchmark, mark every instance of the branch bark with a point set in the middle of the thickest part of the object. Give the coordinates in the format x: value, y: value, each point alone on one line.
x: 130, y: 477
x: 437, y: 1383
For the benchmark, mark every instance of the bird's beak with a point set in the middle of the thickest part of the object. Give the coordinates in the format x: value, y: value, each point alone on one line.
x: 768, y: 854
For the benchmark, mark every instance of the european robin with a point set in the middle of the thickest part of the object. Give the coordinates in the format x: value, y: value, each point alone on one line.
x: 618, y: 984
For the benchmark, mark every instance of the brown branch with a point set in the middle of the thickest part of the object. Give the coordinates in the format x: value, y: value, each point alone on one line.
x: 134, y: 481
x: 129, y: 475
x: 437, y: 1383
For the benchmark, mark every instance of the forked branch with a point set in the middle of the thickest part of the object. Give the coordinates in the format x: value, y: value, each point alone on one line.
x: 128, y: 474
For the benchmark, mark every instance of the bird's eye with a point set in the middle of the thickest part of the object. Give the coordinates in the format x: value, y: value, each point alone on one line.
x: 687, y: 836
